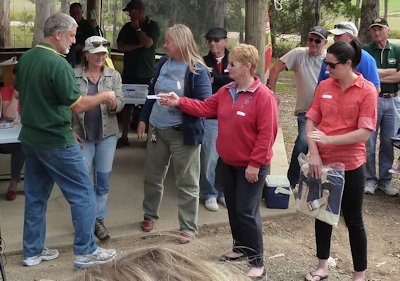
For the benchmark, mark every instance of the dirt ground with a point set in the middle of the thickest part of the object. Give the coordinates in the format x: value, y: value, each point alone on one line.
x: 289, y: 241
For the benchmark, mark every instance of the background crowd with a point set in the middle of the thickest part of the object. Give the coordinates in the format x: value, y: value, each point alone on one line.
x: 209, y: 113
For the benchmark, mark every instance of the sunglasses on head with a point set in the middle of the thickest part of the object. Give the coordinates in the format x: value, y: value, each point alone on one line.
x: 317, y: 41
x: 340, y: 26
x: 216, y: 40
x: 98, y: 44
x: 332, y: 65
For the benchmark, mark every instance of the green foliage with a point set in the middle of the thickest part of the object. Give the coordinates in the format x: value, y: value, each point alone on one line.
x: 235, y: 14
x: 394, y: 34
x: 284, y: 46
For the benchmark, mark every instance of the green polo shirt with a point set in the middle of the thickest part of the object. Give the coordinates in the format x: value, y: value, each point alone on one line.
x: 47, y: 89
x: 386, y: 58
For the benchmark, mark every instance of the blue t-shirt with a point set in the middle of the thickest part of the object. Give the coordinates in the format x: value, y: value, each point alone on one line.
x: 171, y: 79
x: 367, y: 67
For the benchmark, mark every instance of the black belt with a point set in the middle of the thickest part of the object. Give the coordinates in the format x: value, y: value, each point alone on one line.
x: 387, y: 95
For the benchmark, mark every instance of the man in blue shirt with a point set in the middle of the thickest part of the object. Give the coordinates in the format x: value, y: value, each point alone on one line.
x: 347, y: 31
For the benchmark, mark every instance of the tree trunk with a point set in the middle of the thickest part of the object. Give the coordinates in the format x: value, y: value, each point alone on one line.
x: 115, y: 8
x: 5, y: 37
x: 307, y: 19
x: 64, y: 6
x: 44, y: 8
x: 386, y: 9
x: 219, y: 12
x: 357, y: 15
x: 255, y: 31
x: 369, y: 11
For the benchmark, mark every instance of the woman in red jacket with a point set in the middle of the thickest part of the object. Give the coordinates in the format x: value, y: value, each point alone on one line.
x: 247, y: 126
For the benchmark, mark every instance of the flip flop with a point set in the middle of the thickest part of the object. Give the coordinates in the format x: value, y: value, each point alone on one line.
x: 228, y: 258
x: 315, y: 277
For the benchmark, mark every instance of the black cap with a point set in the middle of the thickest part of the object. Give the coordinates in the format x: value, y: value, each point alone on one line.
x: 134, y: 5
x: 216, y: 32
x: 380, y: 22
x: 320, y: 31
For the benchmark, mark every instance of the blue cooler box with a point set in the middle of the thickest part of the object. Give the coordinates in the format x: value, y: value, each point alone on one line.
x: 277, y: 192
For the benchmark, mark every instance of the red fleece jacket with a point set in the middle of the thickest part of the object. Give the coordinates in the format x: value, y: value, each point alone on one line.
x: 247, y: 127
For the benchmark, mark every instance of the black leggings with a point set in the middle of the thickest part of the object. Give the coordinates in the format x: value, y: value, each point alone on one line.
x: 352, y: 201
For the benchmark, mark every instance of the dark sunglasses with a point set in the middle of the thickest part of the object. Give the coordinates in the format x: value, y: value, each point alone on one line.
x: 317, y: 41
x: 216, y: 40
x: 332, y: 65
x: 98, y: 44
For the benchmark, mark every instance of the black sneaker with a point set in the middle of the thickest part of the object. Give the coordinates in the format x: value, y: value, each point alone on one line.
x: 100, y: 230
x: 122, y: 141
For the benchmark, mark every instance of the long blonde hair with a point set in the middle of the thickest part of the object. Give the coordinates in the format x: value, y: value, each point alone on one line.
x: 160, y: 264
x: 183, y: 38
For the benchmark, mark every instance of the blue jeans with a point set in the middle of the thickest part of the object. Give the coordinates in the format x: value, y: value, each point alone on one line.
x: 208, y: 161
x: 66, y: 168
x: 300, y: 146
x: 386, y: 124
x: 99, y: 157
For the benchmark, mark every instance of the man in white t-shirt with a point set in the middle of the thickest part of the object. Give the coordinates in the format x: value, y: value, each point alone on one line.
x: 306, y: 63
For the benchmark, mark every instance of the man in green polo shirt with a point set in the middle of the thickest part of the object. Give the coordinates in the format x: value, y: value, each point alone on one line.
x: 48, y: 93
x: 387, y: 57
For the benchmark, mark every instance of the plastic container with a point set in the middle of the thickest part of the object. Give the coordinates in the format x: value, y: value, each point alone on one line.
x: 135, y: 93
x: 277, y: 192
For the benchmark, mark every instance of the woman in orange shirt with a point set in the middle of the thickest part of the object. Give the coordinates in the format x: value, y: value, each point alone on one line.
x: 339, y: 121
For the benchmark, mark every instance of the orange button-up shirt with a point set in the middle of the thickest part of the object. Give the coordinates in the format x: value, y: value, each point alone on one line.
x: 335, y: 113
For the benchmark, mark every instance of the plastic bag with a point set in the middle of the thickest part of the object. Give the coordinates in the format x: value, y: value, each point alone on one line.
x: 321, y: 198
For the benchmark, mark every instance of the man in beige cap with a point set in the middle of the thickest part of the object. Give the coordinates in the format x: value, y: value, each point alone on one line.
x: 387, y: 58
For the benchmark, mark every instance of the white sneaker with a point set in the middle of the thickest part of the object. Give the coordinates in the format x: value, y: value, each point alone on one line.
x: 370, y: 188
x: 45, y: 255
x: 211, y: 204
x: 100, y: 256
x: 389, y: 189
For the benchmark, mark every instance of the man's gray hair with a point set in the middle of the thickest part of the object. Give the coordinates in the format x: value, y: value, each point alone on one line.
x: 58, y: 21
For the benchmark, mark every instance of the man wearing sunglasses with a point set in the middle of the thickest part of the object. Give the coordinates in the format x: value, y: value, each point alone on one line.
x: 347, y: 31
x: 217, y: 59
x: 137, y: 40
x: 306, y: 63
x: 387, y: 58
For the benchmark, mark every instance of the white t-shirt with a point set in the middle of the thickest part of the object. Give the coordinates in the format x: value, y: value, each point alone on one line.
x: 306, y: 69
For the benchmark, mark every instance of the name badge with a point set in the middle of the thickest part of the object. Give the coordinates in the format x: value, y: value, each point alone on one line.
x: 327, y: 96
x: 240, y: 113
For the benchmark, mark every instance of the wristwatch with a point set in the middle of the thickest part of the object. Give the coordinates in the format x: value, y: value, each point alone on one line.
x: 139, y: 29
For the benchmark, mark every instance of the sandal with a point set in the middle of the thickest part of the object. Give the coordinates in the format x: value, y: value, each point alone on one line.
x: 185, y: 237
x: 314, y: 277
x: 147, y: 225
x: 226, y: 257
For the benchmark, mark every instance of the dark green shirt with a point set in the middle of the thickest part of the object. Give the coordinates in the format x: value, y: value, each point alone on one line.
x: 140, y: 62
x: 389, y: 57
x: 47, y: 88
